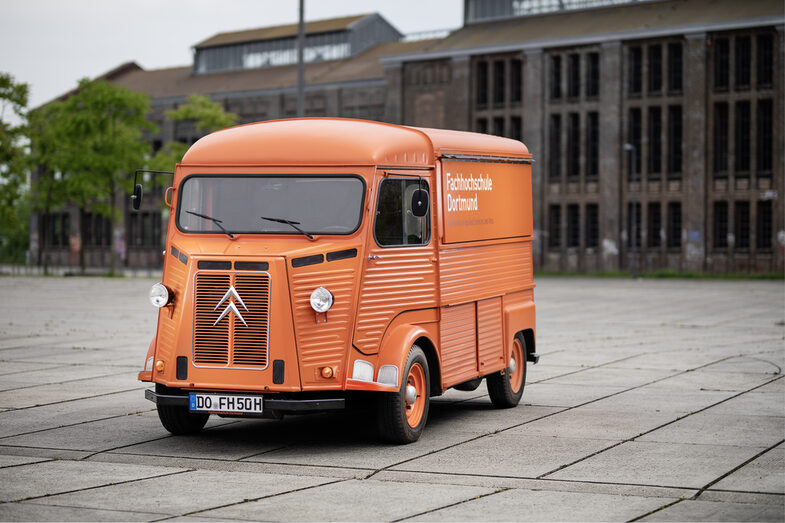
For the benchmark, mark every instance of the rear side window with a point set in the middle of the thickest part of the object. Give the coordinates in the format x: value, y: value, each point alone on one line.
x: 395, y: 224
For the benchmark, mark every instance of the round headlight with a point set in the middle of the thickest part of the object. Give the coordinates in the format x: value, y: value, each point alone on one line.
x: 321, y: 299
x: 159, y: 295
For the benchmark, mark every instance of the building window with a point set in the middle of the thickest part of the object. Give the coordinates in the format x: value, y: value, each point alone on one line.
x: 554, y: 148
x: 573, y: 146
x: 674, y: 225
x: 654, y: 223
x: 721, y: 64
x: 554, y: 226
x: 498, y: 126
x: 674, y: 141
x: 634, y: 138
x: 720, y: 139
x: 763, y: 157
x: 482, y: 125
x: 65, y: 229
x: 742, y: 137
x: 635, y: 71
x: 515, y: 128
x: 720, y: 225
x: 573, y: 226
x: 655, y: 143
x: 764, y: 228
x: 593, y: 75
x: 574, y: 75
x: 655, y: 68
x: 592, y: 146
x: 498, y: 82
x: 765, y: 60
x: 675, y: 67
x: 516, y: 81
x: 742, y: 225
x: 742, y: 62
x: 482, y: 84
x: 592, y: 225
x: 555, y: 77
x: 633, y: 224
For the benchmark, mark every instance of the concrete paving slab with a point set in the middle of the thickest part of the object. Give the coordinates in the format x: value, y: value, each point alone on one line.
x: 757, y: 364
x: 529, y: 505
x: 8, y: 368
x: 614, y: 376
x: 663, y: 464
x: 479, y: 416
x: 367, y: 500
x: 27, y: 511
x: 53, y: 477
x: 506, y: 454
x: 22, y: 421
x: 12, y: 461
x: 586, y: 423
x: 71, y: 390
x: 764, y: 474
x: 95, y: 435
x: 715, y: 511
x: 655, y: 399
x: 566, y: 395
x: 65, y: 373
x: 707, y: 428
x: 715, y: 381
x: 761, y: 404
x: 672, y: 360
x: 185, y: 493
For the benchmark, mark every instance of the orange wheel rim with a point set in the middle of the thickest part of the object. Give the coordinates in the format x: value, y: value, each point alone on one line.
x: 516, y: 376
x: 415, y: 409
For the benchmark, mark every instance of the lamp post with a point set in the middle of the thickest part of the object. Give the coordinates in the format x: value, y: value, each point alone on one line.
x: 300, y: 61
x: 634, y: 212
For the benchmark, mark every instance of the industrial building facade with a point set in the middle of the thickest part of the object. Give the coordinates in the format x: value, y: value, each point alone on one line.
x: 657, y: 126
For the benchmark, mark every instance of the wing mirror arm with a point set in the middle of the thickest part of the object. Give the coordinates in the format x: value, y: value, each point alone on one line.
x: 136, y: 196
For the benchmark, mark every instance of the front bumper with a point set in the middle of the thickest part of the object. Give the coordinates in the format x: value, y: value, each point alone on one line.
x: 270, y: 402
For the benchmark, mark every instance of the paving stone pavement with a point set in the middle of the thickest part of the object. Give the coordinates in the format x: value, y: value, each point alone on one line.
x: 654, y: 400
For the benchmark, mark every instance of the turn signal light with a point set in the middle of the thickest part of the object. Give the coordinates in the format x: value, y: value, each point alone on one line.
x: 159, y: 365
x: 327, y: 372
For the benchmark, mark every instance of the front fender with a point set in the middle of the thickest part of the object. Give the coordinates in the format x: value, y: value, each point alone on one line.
x: 396, y: 345
x: 147, y: 373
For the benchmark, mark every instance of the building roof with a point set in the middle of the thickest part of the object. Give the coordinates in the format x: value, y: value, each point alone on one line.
x: 181, y: 82
x: 624, y: 21
x: 338, y: 141
x: 280, y: 31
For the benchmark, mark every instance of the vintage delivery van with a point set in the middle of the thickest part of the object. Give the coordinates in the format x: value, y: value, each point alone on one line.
x: 312, y: 261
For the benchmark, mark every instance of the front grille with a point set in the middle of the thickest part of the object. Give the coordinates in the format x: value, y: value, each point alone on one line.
x: 229, y: 342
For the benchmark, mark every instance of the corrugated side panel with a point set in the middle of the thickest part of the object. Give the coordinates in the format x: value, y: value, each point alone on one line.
x: 403, y: 279
x: 457, y: 331
x: 490, y: 342
x: 175, y: 279
x: 469, y: 273
x: 324, y: 343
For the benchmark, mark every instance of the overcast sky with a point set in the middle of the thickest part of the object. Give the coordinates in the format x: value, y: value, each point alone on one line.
x: 50, y: 44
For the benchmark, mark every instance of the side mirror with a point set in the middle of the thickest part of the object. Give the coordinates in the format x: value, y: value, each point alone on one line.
x: 420, y: 203
x: 136, y: 197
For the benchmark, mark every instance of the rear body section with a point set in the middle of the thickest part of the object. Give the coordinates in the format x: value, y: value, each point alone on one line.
x: 309, y: 260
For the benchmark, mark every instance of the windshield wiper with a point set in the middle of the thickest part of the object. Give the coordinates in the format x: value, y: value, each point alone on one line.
x: 289, y: 222
x: 214, y: 220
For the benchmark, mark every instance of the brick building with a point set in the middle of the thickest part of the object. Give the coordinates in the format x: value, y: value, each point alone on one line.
x: 694, y: 88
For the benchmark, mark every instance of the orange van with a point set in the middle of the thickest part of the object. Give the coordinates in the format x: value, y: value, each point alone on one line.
x: 310, y: 262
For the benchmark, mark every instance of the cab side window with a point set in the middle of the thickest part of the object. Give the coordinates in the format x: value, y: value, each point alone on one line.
x: 395, y: 224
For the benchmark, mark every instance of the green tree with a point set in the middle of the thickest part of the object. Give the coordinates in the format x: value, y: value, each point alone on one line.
x: 14, y: 165
x: 208, y: 116
x: 98, y: 136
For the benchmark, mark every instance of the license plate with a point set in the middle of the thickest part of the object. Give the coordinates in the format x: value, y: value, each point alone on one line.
x: 222, y: 403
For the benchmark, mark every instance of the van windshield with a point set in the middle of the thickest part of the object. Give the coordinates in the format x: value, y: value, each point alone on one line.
x: 236, y: 204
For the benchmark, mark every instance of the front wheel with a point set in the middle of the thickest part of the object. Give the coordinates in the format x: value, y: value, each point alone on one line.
x: 178, y: 420
x: 506, y: 387
x: 402, y: 415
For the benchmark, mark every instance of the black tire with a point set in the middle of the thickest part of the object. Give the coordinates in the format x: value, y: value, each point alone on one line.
x: 178, y: 420
x: 393, y: 413
x: 500, y: 387
x: 468, y: 386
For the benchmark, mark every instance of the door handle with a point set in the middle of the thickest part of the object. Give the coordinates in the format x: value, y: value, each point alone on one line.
x: 372, y: 257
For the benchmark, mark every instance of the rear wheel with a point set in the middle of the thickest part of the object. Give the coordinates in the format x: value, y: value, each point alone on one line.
x: 178, y: 420
x: 402, y: 415
x: 506, y: 387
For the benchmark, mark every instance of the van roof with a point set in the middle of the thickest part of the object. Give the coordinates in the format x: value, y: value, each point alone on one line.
x: 338, y: 141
